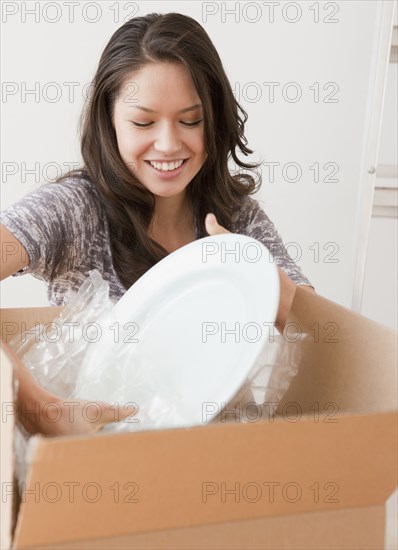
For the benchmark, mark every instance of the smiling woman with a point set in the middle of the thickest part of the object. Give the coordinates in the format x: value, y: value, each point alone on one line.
x: 158, y: 132
x: 161, y: 124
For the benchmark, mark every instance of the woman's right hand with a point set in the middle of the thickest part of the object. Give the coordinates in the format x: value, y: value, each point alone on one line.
x: 74, y: 417
x: 40, y: 411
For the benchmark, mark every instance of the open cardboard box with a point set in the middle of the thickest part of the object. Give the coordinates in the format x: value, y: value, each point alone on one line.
x: 320, y: 481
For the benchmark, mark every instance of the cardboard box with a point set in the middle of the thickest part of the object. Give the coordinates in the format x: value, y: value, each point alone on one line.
x: 316, y: 477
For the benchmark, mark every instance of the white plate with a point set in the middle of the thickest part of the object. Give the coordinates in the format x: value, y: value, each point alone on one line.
x: 200, y: 318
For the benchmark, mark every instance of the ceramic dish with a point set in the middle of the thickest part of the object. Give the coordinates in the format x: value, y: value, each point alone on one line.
x: 189, y: 330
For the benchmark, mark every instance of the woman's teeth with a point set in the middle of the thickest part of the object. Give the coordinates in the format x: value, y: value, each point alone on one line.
x: 166, y: 166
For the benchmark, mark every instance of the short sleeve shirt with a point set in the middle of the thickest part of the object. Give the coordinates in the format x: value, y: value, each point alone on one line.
x: 69, y: 216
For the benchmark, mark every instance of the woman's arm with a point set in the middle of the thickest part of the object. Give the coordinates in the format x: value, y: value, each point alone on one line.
x: 13, y: 255
x: 287, y: 292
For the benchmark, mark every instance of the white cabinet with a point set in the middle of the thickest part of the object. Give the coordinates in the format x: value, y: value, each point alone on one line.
x: 379, y: 301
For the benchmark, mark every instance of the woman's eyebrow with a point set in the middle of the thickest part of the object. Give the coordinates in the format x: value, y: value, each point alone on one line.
x: 192, y: 108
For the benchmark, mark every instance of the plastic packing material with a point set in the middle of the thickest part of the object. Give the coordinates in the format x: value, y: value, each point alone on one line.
x: 53, y: 352
x: 269, y: 379
x: 54, y: 355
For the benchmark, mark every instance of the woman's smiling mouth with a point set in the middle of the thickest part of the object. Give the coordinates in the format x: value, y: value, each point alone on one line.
x: 167, y: 169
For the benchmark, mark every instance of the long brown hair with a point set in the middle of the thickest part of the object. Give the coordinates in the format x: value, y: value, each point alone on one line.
x: 129, y: 206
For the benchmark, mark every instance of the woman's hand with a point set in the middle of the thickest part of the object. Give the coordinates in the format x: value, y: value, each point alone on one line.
x: 287, y: 286
x: 39, y: 411
x: 213, y: 227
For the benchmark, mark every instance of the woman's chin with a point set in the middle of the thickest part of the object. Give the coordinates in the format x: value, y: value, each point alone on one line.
x: 167, y: 190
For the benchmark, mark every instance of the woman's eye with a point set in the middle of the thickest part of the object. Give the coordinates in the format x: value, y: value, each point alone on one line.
x: 192, y: 123
x: 145, y: 125
x: 140, y: 124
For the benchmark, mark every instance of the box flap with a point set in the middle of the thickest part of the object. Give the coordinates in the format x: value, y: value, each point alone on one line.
x: 350, y: 364
x: 113, y: 485
x: 357, y: 528
x: 13, y: 321
x: 6, y: 449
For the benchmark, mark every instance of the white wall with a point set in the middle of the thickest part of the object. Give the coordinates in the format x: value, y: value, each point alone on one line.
x: 335, y: 58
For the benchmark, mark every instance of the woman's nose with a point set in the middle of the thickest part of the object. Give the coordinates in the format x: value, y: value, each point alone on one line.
x: 167, y: 140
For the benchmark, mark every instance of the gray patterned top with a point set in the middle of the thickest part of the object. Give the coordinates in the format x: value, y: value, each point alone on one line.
x: 69, y: 215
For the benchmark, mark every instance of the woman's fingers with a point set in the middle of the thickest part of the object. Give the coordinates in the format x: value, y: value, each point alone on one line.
x: 110, y: 413
x: 87, y: 417
x: 213, y: 227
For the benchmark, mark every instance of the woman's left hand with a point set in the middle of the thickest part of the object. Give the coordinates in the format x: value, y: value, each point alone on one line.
x: 287, y: 286
x: 213, y: 227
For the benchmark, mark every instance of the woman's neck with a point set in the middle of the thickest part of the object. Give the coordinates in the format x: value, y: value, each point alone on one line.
x: 172, y: 214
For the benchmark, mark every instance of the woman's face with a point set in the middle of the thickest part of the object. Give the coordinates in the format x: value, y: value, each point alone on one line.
x: 158, y: 120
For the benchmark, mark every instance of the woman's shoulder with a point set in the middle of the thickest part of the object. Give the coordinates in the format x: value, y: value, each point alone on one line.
x: 74, y: 193
x: 67, y: 209
x: 244, y: 212
x: 77, y: 183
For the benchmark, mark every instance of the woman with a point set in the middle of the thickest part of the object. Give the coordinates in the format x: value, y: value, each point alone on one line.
x: 158, y: 131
